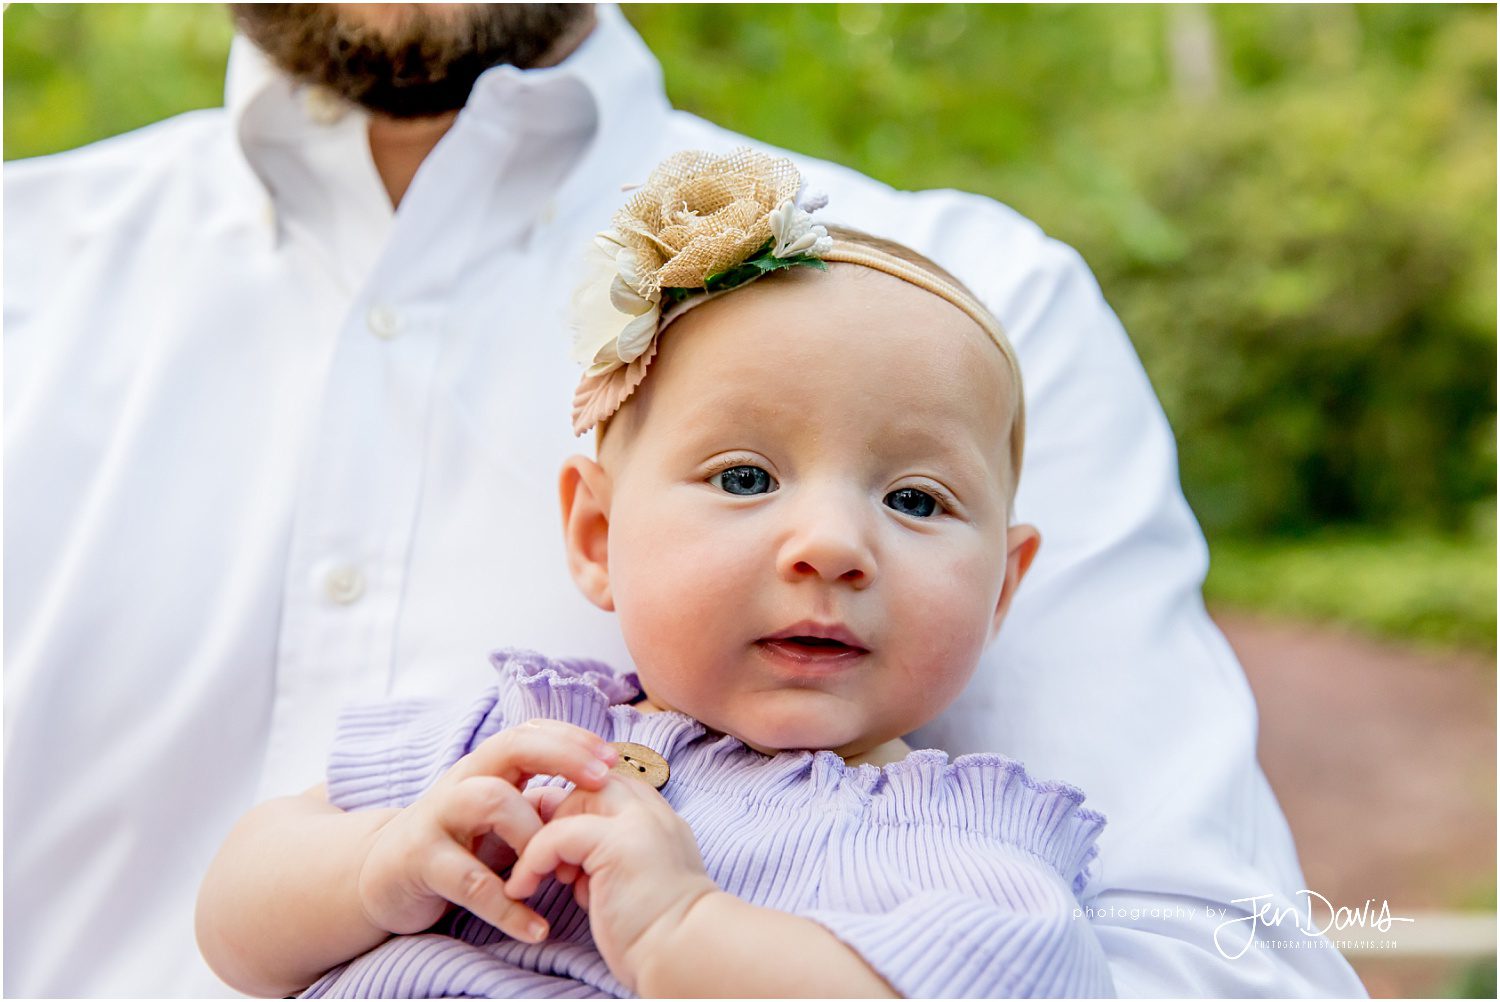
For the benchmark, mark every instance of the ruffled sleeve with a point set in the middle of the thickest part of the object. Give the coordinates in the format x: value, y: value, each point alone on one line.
x: 945, y: 944
x: 385, y: 754
x: 963, y: 879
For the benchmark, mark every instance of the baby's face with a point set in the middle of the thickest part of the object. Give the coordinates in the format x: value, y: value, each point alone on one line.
x: 807, y: 537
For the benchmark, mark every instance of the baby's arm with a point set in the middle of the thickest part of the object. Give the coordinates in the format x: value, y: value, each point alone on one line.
x: 278, y: 906
x: 726, y: 946
x: 301, y: 886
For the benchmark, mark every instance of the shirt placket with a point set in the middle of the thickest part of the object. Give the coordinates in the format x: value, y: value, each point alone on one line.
x: 361, y: 481
x: 352, y: 527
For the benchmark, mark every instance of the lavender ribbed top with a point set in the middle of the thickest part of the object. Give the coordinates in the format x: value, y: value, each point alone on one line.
x: 951, y: 879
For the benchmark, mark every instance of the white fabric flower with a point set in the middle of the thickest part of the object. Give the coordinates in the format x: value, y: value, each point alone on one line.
x: 814, y: 242
x: 789, y: 224
x: 810, y: 199
x: 796, y: 233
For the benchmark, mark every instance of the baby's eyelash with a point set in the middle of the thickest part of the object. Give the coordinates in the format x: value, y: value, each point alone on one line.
x: 943, y: 496
x: 729, y: 463
x: 947, y: 500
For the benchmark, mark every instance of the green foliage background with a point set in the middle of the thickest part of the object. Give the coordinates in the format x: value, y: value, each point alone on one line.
x: 1292, y: 208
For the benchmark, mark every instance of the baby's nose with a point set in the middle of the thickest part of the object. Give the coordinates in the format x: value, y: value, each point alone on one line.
x: 831, y: 548
x: 853, y: 574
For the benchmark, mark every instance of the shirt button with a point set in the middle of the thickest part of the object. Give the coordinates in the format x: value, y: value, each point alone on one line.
x: 384, y: 322
x: 640, y: 762
x: 344, y: 585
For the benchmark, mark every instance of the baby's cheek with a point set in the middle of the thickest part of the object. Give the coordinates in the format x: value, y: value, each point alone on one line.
x: 952, y: 612
x: 675, y: 588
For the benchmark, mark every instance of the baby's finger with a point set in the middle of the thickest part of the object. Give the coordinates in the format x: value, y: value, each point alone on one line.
x: 567, y: 872
x: 565, y: 840
x: 581, y: 891
x: 495, y: 853
x: 545, y: 799
x: 460, y: 878
x: 481, y: 805
x: 539, y: 747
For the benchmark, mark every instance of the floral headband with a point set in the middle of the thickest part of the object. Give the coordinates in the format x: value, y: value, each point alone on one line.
x: 699, y: 227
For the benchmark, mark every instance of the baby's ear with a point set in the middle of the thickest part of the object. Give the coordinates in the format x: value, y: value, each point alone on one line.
x: 585, y: 490
x: 1021, y: 544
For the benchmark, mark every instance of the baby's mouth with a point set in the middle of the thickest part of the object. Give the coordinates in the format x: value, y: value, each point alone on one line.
x: 809, y: 644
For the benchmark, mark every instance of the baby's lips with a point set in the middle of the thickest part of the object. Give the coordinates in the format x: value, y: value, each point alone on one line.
x: 835, y: 633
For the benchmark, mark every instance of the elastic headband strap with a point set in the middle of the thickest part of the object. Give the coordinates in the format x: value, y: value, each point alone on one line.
x: 871, y: 257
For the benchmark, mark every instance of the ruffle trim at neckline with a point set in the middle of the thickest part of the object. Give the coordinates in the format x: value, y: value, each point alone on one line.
x: 987, y: 793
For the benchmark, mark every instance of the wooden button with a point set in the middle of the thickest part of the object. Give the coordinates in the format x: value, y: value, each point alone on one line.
x: 640, y: 762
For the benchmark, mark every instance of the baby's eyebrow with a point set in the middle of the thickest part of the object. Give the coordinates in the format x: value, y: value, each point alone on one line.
x: 910, y: 438
x: 717, y: 411
x: 963, y: 461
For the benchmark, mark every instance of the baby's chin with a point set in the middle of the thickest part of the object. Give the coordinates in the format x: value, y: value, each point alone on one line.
x: 791, y: 720
x: 774, y: 737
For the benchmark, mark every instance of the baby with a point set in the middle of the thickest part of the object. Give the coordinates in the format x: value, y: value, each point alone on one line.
x: 803, y: 520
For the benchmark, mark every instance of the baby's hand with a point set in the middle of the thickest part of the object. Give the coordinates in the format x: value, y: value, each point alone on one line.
x: 447, y: 845
x: 634, y: 865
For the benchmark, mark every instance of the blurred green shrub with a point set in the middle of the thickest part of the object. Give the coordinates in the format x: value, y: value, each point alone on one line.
x: 1475, y: 981
x: 1437, y: 591
x: 76, y: 73
x: 1309, y: 275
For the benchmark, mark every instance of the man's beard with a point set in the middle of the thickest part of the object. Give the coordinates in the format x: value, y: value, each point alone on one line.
x: 423, y: 63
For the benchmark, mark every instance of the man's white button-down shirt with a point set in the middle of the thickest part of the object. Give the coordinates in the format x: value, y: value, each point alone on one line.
x: 271, y: 447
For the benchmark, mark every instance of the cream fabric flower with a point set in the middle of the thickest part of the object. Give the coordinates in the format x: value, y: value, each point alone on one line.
x: 612, y: 323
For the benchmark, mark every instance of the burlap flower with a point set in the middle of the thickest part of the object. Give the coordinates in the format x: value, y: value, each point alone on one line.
x: 698, y: 219
x: 700, y: 214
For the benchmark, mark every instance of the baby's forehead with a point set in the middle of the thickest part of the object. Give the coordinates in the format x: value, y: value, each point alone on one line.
x: 890, y: 366
x: 871, y: 324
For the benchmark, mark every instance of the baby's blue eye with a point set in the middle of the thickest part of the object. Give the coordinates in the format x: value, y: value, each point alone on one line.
x: 910, y: 501
x: 744, y: 480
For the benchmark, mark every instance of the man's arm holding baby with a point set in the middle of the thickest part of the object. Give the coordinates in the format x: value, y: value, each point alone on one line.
x: 661, y: 923
x: 301, y: 886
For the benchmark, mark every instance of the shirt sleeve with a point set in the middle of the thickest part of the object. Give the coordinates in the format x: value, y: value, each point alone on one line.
x: 386, y: 754
x: 945, y: 944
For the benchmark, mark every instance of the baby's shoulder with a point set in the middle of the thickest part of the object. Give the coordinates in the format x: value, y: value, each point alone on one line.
x: 983, y: 810
x: 987, y: 806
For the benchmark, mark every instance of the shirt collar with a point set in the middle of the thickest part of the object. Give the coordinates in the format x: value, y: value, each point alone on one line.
x: 611, y: 77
